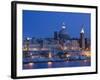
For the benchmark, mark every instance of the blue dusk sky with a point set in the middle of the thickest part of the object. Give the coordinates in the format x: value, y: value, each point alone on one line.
x: 42, y: 24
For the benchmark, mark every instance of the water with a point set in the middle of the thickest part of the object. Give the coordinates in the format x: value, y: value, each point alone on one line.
x: 78, y: 63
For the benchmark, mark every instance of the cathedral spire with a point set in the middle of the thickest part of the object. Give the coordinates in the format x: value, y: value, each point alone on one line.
x: 82, y: 39
x: 82, y: 30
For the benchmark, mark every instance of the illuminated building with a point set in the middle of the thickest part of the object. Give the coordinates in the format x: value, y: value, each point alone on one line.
x: 60, y: 41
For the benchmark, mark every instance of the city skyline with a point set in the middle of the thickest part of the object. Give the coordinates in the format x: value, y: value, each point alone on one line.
x: 54, y: 38
x: 42, y: 24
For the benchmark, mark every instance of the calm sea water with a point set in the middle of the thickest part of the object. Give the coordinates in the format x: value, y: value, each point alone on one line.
x: 78, y: 63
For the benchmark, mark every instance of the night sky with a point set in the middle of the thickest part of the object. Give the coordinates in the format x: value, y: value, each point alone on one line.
x: 42, y: 24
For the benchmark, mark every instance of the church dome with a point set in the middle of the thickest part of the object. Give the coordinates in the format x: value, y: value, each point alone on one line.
x: 63, y: 32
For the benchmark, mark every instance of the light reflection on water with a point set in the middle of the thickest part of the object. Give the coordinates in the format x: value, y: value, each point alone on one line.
x: 57, y: 64
x: 49, y: 64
